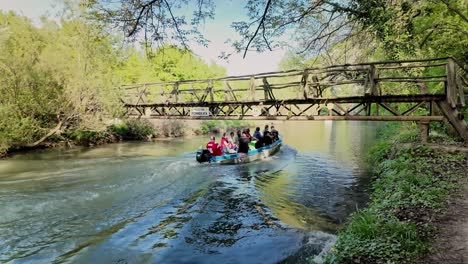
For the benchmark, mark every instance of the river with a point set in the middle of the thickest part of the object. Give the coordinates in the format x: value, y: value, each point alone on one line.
x: 151, y: 202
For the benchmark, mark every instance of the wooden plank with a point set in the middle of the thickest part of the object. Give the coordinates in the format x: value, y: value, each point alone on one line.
x: 412, y: 66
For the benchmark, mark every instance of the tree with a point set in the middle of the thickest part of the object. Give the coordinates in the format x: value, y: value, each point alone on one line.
x: 316, y: 25
x: 52, y: 77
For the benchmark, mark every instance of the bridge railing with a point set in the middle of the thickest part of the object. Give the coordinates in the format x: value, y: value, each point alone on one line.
x: 410, y: 77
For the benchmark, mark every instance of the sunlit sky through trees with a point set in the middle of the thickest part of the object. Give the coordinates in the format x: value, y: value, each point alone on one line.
x: 217, y: 31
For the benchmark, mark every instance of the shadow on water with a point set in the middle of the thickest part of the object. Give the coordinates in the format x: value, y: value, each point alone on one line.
x: 134, y: 203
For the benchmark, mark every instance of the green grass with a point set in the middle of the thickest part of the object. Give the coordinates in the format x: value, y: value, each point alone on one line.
x: 410, y: 188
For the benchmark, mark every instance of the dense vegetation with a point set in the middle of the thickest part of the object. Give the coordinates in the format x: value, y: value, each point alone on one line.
x: 410, y: 191
x: 60, y: 78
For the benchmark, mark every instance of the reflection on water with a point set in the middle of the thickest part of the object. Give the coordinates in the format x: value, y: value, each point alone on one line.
x: 152, y: 203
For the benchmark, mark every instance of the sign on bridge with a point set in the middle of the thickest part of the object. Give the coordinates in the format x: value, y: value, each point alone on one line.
x: 199, y: 111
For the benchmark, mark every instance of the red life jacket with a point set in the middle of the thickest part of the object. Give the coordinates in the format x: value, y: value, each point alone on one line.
x: 214, y: 148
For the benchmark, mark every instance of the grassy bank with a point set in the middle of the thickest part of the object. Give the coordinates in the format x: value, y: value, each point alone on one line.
x: 411, y: 186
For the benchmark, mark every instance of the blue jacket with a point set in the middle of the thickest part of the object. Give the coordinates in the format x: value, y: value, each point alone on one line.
x: 257, y: 135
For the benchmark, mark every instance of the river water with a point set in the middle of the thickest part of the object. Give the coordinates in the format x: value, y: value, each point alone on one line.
x: 151, y: 202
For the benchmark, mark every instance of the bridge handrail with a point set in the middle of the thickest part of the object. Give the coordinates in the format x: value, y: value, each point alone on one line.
x: 294, y: 72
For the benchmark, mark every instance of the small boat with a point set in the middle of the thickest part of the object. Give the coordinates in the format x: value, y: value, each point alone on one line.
x: 203, y: 155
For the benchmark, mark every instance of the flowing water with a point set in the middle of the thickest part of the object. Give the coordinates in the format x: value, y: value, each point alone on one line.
x: 151, y: 202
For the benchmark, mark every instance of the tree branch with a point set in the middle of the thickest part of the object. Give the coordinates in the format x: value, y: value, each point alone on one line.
x: 258, y: 28
x: 140, y: 15
x: 264, y: 38
x: 458, y: 12
x: 51, y: 132
x: 176, y: 25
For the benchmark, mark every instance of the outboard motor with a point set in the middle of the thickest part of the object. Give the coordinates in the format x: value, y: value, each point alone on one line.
x: 203, y: 155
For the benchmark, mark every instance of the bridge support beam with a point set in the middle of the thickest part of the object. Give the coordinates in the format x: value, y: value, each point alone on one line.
x: 424, y: 131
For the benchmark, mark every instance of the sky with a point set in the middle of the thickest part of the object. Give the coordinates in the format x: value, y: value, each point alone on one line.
x: 217, y: 31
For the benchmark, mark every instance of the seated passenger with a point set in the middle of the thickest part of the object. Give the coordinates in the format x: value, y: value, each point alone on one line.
x: 257, y: 135
x: 239, y: 135
x: 274, y: 133
x: 265, y: 130
x: 232, y: 141
x: 224, y: 142
x: 267, y: 140
x: 243, y: 144
x: 247, y: 134
x: 259, y: 143
x: 214, y: 147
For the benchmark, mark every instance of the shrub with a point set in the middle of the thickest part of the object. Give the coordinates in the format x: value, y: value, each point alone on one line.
x: 89, y: 137
x: 210, y: 126
x: 132, y: 129
x: 214, y: 126
x: 172, y: 128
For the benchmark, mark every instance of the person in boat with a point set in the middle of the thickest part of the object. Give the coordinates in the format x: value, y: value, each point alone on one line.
x: 259, y: 143
x: 274, y: 133
x: 213, y: 147
x: 257, y: 135
x: 238, y: 136
x: 247, y: 133
x: 224, y: 143
x: 265, y: 131
x: 243, y: 144
x: 267, y: 139
x: 232, y: 141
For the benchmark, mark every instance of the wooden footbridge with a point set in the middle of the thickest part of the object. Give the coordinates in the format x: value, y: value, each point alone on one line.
x: 412, y: 90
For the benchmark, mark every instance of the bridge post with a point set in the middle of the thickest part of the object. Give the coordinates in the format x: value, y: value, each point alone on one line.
x: 252, y: 88
x: 210, y: 88
x: 176, y: 92
x: 424, y: 131
x: 373, y: 85
x: 305, y: 84
x: 451, y: 85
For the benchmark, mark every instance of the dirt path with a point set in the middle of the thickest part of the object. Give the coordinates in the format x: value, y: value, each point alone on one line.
x: 451, y: 244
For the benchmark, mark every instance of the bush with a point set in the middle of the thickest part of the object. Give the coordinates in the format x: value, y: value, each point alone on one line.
x: 214, y: 126
x: 172, y: 128
x: 89, y: 137
x: 210, y: 126
x: 132, y: 129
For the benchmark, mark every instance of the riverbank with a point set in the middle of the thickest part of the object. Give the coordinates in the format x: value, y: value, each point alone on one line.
x: 130, y: 130
x: 412, y: 189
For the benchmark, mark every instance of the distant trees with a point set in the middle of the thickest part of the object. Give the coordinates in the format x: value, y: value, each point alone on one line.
x: 61, y: 77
